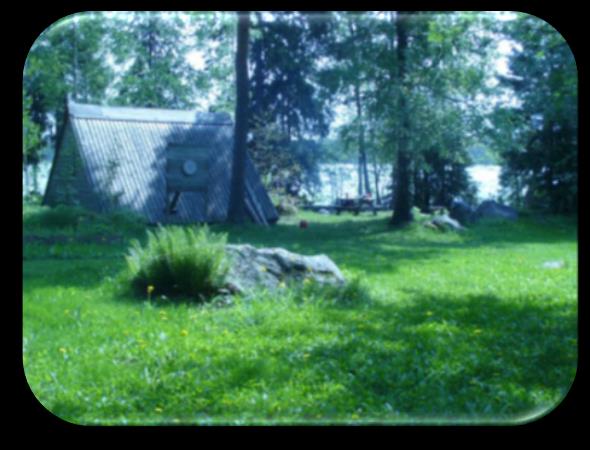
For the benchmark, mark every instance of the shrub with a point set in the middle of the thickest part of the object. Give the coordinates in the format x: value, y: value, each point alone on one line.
x: 286, y: 205
x: 178, y: 262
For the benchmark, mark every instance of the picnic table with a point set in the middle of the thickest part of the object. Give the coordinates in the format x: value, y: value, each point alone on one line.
x: 355, y: 205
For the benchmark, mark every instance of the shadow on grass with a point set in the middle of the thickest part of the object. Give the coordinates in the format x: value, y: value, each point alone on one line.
x: 369, y: 245
x: 374, y: 247
x: 478, y: 356
x: 435, y: 357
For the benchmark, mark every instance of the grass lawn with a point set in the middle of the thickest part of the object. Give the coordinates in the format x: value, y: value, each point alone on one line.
x: 458, y: 328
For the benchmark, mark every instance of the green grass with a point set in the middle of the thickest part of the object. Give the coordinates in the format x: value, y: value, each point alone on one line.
x: 458, y: 328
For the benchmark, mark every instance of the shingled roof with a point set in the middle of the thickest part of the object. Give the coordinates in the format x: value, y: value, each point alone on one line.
x: 116, y: 157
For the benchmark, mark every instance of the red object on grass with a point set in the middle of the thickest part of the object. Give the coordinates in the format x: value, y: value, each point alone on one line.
x: 303, y: 224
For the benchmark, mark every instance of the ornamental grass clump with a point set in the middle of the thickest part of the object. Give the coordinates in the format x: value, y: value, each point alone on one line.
x: 178, y: 262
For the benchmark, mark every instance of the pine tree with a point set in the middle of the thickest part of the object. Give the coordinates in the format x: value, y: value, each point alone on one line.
x: 159, y: 74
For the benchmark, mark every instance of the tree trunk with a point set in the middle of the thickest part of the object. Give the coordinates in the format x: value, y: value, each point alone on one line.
x: 376, y: 177
x: 363, y: 171
x: 237, y: 204
x: 76, y: 64
x: 360, y: 175
x: 36, y: 177
x: 26, y: 173
x: 402, y: 200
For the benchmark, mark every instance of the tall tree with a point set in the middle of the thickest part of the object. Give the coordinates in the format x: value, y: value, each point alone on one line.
x: 237, y: 204
x: 402, y: 196
x: 538, y: 133
x: 31, y: 142
x: 350, y: 77
x: 159, y: 74
x: 67, y: 58
x: 287, y: 107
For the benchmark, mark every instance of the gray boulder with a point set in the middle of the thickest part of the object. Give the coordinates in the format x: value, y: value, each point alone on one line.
x: 490, y: 209
x: 271, y: 268
x: 444, y: 222
x: 462, y: 211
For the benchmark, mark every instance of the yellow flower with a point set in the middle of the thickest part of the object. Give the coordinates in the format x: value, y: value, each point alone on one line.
x: 150, y: 289
x: 62, y: 350
x: 184, y: 332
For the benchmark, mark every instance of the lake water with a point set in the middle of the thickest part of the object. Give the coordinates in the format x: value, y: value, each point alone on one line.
x: 340, y: 180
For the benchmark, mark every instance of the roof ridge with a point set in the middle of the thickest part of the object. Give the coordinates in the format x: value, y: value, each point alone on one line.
x: 127, y: 113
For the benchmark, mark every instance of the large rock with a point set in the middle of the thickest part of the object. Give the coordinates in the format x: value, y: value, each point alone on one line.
x: 444, y: 222
x: 462, y: 211
x: 252, y: 268
x: 490, y: 209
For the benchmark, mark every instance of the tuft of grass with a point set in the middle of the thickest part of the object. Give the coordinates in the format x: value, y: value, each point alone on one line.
x: 354, y: 293
x: 178, y: 262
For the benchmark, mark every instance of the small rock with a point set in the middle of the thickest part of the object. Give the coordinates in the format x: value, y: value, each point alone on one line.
x: 553, y: 265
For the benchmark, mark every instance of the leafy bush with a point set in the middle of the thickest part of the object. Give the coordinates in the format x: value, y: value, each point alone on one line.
x: 178, y: 262
x: 286, y: 206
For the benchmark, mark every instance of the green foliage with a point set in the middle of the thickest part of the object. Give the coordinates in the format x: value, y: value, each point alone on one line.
x: 31, y: 133
x: 68, y: 57
x: 159, y: 75
x: 418, y: 216
x: 178, y: 262
x: 537, y: 136
x: 286, y: 205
